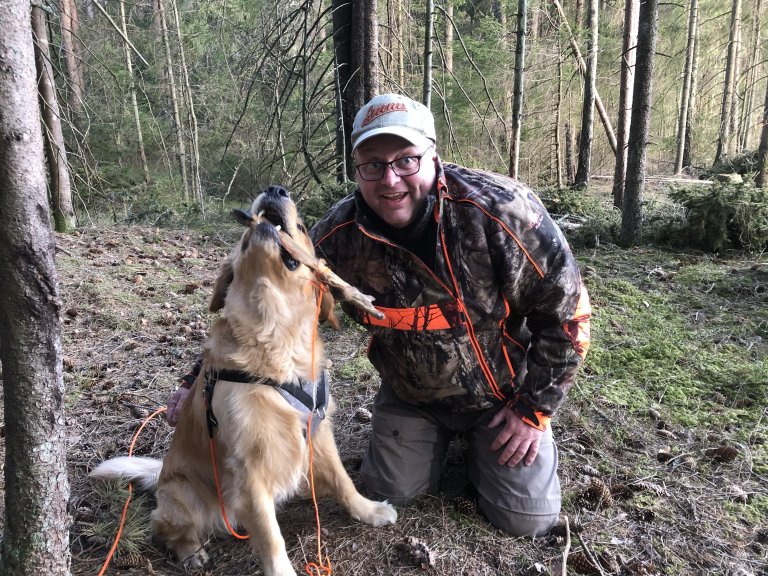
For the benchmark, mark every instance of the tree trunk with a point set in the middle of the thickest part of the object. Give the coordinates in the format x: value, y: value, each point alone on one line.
x: 628, y: 53
x: 36, y: 491
x: 609, y: 133
x: 762, y: 151
x: 517, y: 94
x: 429, y: 20
x: 570, y: 153
x: 134, y: 103
x: 180, y: 140
x: 558, y: 152
x: 745, y: 126
x: 724, y: 140
x: 632, y: 210
x: 588, y: 110
x: 70, y: 34
x: 61, y: 189
x: 685, y: 92
x: 355, y: 44
x: 197, y: 186
x: 692, y: 100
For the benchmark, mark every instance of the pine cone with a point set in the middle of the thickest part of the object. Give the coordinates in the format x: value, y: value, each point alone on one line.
x: 598, y: 495
x: 465, y: 506
x: 579, y: 563
x: 722, y: 453
x: 130, y: 561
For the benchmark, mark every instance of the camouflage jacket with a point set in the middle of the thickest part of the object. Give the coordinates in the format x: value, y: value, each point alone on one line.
x: 501, y: 315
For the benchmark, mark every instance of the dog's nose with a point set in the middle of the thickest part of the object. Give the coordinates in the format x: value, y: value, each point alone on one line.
x: 278, y: 191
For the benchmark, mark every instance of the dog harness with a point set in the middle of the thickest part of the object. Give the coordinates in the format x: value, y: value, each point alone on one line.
x: 308, y: 397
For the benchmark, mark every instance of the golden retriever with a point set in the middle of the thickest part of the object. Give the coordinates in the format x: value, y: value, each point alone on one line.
x: 262, y: 451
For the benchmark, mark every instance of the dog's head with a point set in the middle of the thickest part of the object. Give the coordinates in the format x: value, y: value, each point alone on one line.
x: 259, y: 265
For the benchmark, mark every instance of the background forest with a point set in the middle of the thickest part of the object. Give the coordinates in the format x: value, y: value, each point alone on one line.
x: 173, y: 107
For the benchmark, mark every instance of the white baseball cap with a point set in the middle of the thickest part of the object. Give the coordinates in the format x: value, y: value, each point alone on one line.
x: 397, y: 115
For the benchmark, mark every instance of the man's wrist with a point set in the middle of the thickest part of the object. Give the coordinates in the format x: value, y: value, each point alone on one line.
x: 529, y: 415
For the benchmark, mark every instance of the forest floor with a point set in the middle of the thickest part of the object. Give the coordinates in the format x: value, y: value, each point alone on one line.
x: 663, y: 442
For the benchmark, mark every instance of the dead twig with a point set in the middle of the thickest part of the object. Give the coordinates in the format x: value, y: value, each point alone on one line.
x: 567, y: 546
x: 325, y: 275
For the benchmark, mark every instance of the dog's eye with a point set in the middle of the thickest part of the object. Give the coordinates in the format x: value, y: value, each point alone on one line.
x: 302, y: 228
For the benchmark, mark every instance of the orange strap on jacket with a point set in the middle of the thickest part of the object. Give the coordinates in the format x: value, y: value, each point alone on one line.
x: 433, y: 317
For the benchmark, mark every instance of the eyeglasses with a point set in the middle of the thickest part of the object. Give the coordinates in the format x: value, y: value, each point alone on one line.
x: 405, y: 166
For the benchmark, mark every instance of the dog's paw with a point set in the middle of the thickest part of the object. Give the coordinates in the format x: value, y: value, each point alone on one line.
x: 376, y: 513
x: 278, y: 566
x: 194, y: 561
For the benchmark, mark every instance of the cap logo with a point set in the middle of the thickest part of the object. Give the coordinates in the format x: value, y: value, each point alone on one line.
x: 376, y: 111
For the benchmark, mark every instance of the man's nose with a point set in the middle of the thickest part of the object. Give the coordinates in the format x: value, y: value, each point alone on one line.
x: 390, y: 177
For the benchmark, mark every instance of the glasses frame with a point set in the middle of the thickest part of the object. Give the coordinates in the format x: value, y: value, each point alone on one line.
x: 391, y: 165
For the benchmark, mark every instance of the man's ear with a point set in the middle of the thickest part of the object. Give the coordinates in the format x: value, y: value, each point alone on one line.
x: 328, y: 312
x: 226, y: 275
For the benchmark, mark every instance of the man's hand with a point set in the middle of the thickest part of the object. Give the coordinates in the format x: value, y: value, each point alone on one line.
x: 518, y: 439
x: 176, y: 405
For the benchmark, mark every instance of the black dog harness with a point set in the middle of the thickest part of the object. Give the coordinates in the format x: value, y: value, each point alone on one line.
x: 308, y: 397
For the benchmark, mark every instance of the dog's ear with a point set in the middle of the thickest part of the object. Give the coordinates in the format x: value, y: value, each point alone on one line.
x: 226, y: 274
x: 328, y: 312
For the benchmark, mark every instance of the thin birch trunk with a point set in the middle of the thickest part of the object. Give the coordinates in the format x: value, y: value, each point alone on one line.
x: 725, y: 137
x: 517, y: 94
x: 134, y: 103
x: 745, y: 125
x: 685, y: 92
x: 588, y: 109
x: 581, y: 66
x: 627, y: 82
x: 197, y: 186
x: 58, y: 169
x: 429, y: 20
x: 180, y: 140
x: 558, y: 115
x: 692, y: 102
x: 70, y: 32
x: 762, y: 151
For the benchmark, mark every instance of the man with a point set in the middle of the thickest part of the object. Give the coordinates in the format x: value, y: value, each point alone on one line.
x: 486, y: 317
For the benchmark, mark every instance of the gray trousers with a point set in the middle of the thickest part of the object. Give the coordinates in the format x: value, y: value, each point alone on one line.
x: 407, y: 453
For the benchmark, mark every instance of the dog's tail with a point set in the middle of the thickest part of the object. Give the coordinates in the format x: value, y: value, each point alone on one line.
x: 146, y: 471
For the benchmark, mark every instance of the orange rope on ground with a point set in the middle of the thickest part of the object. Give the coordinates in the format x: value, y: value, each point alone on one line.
x: 130, y: 492
x: 315, y: 568
x: 221, y: 498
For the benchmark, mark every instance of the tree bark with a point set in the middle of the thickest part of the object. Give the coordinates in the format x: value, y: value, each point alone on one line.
x: 36, y: 532
x: 628, y: 53
x: 762, y: 151
x: 132, y: 90
x: 745, y: 126
x: 581, y: 65
x: 70, y: 33
x: 197, y: 185
x: 570, y: 153
x: 180, y: 140
x: 588, y: 110
x: 632, y: 210
x: 355, y: 44
x: 517, y: 93
x: 692, y: 101
x: 558, y: 152
x: 58, y: 169
x: 725, y: 138
x: 685, y: 92
x: 429, y: 22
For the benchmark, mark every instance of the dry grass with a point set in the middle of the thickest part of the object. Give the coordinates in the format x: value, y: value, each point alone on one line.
x: 641, y: 492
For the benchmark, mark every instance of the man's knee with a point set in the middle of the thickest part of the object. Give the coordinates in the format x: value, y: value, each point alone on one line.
x: 518, y: 523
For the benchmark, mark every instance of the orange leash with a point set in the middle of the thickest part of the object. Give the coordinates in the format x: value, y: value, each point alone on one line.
x: 316, y: 568
x: 130, y: 492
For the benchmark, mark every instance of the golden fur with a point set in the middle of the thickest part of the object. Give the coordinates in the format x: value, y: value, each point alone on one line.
x: 262, y: 454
